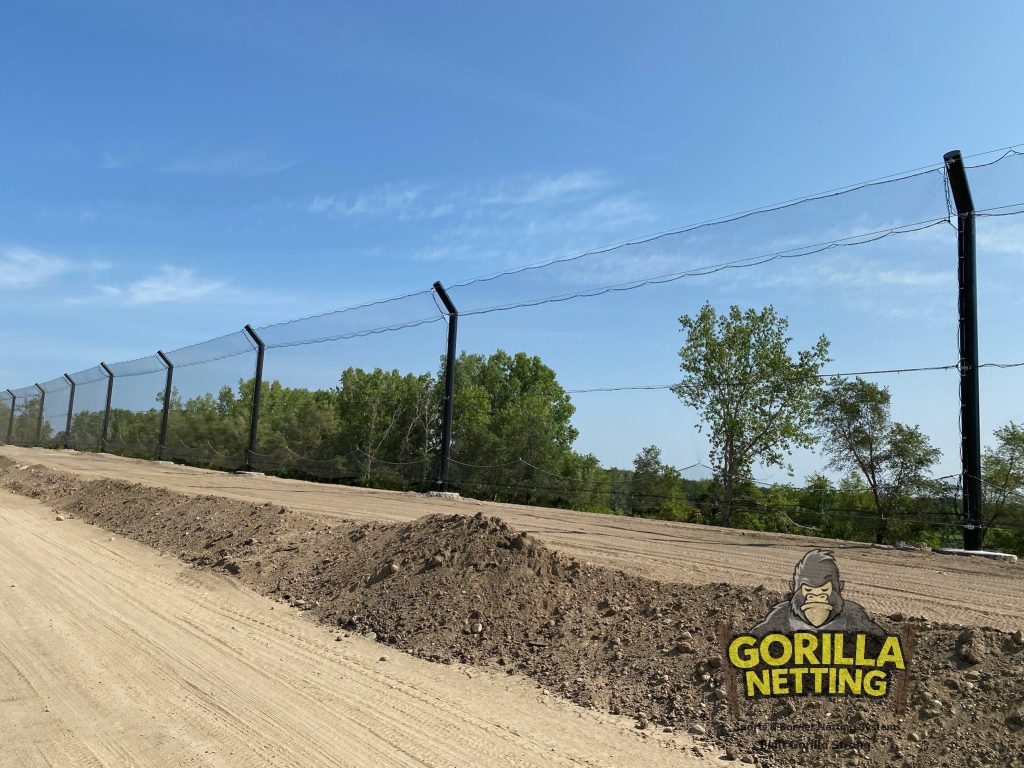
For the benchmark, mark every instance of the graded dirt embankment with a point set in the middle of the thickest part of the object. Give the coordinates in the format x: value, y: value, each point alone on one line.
x: 474, y: 589
x: 969, y: 591
x: 114, y: 655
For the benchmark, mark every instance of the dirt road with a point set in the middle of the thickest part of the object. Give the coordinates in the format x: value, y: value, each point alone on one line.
x: 970, y: 591
x: 113, y: 655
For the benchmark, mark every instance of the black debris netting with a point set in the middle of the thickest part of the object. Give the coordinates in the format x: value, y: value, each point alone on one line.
x: 566, y: 364
x: 88, y: 409
x: 136, y: 407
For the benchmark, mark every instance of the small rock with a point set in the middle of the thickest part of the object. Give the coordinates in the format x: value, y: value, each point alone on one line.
x: 1018, y: 637
x: 300, y: 603
x: 371, y: 635
x: 394, y: 568
x: 915, y: 737
x: 685, y: 648
x: 337, y: 639
x: 731, y: 753
x: 476, y: 628
x: 641, y: 723
x: 897, y: 616
x: 970, y: 654
x: 384, y: 658
x: 697, y: 730
x: 749, y: 759
x: 715, y: 662
x: 719, y: 694
x: 60, y: 518
x: 435, y: 562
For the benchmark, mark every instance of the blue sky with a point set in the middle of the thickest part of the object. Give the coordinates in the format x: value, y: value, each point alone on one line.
x: 171, y: 173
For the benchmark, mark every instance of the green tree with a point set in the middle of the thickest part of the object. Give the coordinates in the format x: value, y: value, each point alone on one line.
x: 386, y: 423
x: 860, y: 435
x: 655, y: 489
x: 1003, y: 475
x: 754, y: 398
x: 513, y: 433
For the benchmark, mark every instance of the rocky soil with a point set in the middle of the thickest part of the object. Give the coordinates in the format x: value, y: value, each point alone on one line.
x: 472, y: 589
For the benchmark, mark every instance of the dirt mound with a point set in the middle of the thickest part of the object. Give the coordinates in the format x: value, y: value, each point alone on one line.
x: 472, y: 589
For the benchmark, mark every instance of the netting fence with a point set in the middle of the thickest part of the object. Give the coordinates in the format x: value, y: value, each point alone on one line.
x: 566, y: 366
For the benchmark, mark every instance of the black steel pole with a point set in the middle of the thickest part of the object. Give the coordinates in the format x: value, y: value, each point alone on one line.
x: 106, y: 410
x: 10, y: 419
x: 449, y: 383
x: 254, y: 416
x: 167, y: 404
x: 970, y: 407
x: 39, y: 423
x: 71, y: 410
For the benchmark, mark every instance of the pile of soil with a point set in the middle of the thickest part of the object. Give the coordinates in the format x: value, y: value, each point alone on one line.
x: 471, y: 589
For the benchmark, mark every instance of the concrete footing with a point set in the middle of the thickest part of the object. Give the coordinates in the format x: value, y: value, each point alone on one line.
x: 977, y: 553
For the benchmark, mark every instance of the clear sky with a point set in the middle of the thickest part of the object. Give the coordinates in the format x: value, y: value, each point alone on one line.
x: 169, y: 173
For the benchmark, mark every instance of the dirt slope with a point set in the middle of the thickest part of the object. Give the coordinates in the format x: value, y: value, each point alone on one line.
x: 968, y: 591
x: 112, y: 655
x: 458, y: 588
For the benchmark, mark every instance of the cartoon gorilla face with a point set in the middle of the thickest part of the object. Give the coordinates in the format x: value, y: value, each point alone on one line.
x: 817, y: 591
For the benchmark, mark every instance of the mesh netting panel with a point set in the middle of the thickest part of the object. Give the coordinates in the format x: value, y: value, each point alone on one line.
x: 26, y: 416
x: 210, y: 404
x: 136, y: 407
x: 890, y: 304
x: 374, y: 318
x: 997, y: 185
x: 817, y: 227
x: 359, y: 409
x: 138, y: 367
x: 55, y: 410
x: 1000, y: 274
x: 89, y: 407
x: 221, y: 348
x: 5, y: 414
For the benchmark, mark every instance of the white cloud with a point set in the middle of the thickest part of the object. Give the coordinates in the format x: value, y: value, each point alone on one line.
x: 24, y: 268
x: 414, y: 202
x: 169, y: 284
x: 112, y: 162
x: 244, y: 163
x: 545, y: 189
x: 1001, y: 236
x: 388, y: 200
x: 867, y: 276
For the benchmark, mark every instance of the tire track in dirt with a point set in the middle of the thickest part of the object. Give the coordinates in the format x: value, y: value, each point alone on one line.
x: 113, y: 655
x: 969, y: 591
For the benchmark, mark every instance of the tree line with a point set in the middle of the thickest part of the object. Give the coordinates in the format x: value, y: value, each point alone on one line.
x: 513, y: 439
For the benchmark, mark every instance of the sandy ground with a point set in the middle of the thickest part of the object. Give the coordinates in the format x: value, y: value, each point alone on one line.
x: 113, y: 655
x: 945, y: 588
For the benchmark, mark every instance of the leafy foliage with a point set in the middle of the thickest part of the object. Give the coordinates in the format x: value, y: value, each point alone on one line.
x: 754, y: 398
x: 861, y: 436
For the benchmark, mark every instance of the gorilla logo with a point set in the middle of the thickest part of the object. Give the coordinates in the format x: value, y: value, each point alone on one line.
x: 816, y: 602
